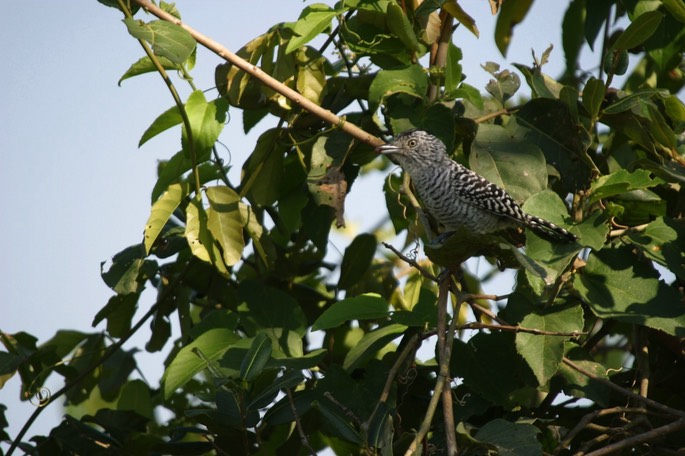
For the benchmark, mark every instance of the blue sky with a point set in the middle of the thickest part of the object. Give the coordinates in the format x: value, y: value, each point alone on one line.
x: 75, y: 185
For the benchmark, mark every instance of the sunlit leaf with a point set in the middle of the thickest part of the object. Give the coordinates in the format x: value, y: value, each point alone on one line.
x: 186, y: 364
x: 162, y: 209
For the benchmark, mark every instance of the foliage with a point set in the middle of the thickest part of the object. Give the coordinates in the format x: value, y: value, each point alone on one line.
x: 583, y: 351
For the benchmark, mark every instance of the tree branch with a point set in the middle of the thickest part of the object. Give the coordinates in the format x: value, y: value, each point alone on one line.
x: 640, y: 438
x: 411, y: 262
x: 266, y: 79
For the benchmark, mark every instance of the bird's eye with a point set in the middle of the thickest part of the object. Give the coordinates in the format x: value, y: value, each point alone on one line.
x: 411, y: 143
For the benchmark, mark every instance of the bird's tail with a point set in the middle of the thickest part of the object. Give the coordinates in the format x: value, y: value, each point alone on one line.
x: 549, y: 229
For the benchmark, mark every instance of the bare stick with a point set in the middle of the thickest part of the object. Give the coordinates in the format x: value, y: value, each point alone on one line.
x: 410, y: 347
x: 645, y: 400
x: 411, y: 262
x: 300, y: 430
x: 640, y: 438
x: 587, y: 419
x: 517, y: 329
x: 445, y: 339
x: 267, y: 80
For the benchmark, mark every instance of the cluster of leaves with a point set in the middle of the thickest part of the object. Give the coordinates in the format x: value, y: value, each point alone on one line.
x: 243, y: 268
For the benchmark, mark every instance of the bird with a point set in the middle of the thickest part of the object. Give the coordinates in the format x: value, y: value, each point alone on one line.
x: 457, y: 197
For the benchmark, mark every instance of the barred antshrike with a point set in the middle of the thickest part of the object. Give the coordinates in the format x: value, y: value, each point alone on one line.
x: 456, y: 196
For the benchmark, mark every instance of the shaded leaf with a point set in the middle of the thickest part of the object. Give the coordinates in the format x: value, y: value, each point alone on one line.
x: 167, y: 40
x: 364, y: 307
x: 617, y: 285
x: 371, y: 344
x: 639, y: 30
x: 257, y: 357
x: 511, y: 14
x: 543, y: 353
x: 511, y: 439
x: 356, y: 260
x: 619, y: 183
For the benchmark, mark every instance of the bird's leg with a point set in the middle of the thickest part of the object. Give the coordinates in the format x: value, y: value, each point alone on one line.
x: 442, y: 238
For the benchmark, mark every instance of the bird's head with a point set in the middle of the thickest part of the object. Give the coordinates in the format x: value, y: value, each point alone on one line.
x: 414, y: 147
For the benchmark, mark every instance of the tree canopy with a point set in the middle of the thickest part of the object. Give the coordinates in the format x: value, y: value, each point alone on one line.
x: 281, y: 351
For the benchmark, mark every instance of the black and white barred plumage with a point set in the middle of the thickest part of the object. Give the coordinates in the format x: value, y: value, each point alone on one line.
x: 456, y: 196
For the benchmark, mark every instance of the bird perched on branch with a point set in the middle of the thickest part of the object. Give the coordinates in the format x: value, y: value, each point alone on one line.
x: 456, y: 196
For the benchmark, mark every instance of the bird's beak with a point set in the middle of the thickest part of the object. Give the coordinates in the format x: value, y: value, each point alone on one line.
x: 386, y: 149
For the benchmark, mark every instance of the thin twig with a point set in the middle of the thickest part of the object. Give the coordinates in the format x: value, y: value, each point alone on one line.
x: 587, y: 419
x: 409, y: 348
x: 411, y: 262
x: 267, y: 80
x: 298, y: 425
x: 632, y: 442
x: 518, y: 329
x: 111, y: 350
x: 645, y: 400
x: 445, y: 339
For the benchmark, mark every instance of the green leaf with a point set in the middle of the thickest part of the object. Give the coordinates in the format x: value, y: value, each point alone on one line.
x: 167, y: 40
x: 225, y: 222
x: 510, y: 14
x: 593, y: 95
x: 490, y: 366
x: 128, y: 271
x: 288, y: 380
x: 548, y: 124
x: 365, y: 307
x: 356, y: 260
x: 411, y: 80
x: 597, y: 12
x: 661, y: 241
x: 616, y: 284
x: 543, y: 353
x: 162, y: 209
x: 371, y: 344
x: 639, y: 30
x: 168, y: 119
x: 257, y: 357
x: 511, y: 439
x: 266, y: 308
x: 339, y: 425
x: 186, y: 364
x: 263, y: 170
x: 313, y: 20
x: 620, y: 182
x: 135, y: 397
x: 635, y: 100
x: 457, y: 12
x: 453, y: 70
x: 206, y: 121
x: 144, y: 65
x: 511, y: 163
x: 400, y: 26
x: 580, y: 385
x: 676, y: 8
x: 505, y: 84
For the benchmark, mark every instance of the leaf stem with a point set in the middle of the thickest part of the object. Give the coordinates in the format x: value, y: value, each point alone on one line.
x: 177, y: 99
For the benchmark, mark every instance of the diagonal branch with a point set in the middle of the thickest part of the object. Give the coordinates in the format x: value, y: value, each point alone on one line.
x: 266, y: 79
